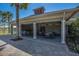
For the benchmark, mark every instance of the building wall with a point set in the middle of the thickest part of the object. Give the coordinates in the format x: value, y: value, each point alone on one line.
x: 50, y: 27
x: 53, y: 27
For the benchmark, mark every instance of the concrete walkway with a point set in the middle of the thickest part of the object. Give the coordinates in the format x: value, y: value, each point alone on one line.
x: 39, y: 47
x: 9, y: 50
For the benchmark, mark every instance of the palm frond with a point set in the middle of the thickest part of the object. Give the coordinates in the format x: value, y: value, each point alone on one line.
x: 12, y: 4
x: 23, y: 5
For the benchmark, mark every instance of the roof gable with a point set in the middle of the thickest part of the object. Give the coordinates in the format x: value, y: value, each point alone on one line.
x: 55, y: 14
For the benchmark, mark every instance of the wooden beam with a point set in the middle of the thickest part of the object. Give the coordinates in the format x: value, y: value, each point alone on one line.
x: 72, y: 13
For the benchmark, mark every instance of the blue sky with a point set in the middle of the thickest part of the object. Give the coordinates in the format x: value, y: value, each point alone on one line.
x: 48, y: 8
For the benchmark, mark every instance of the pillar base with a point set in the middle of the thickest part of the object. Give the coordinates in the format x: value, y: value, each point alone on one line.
x: 34, y: 37
x: 63, y: 42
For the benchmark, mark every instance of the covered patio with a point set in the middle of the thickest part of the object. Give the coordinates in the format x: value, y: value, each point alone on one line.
x: 47, y: 25
x: 47, y: 30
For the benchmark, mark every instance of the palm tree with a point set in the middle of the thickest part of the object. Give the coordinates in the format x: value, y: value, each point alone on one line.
x: 0, y: 20
x: 18, y: 7
x: 8, y: 19
x: 3, y: 20
x: 0, y: 16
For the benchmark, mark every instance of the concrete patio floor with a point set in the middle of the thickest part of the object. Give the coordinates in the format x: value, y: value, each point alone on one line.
x: 37, y: 47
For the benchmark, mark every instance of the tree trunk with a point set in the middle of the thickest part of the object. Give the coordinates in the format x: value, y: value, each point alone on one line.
x: 8, y: 28
x: 11, y: 29
x: 4, y: 29
x: 17, y: 19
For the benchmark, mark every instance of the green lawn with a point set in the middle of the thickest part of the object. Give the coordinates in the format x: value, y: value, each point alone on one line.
x: 4, y: 32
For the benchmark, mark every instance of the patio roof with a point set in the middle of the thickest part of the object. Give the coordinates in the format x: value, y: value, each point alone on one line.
x: 50, y: 15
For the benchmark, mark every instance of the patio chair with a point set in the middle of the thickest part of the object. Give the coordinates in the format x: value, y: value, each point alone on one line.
x: 49, y: 35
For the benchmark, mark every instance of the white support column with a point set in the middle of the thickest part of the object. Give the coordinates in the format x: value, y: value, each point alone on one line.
x: 14, y: 28
x: 19, y: 29
x: 63, y: 30
x: 34, y: 31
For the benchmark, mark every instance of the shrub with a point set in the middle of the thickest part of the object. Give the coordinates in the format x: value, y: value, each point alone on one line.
x: 73, y: 36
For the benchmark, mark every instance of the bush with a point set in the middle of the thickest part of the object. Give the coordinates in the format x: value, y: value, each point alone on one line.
x: 73, y: 36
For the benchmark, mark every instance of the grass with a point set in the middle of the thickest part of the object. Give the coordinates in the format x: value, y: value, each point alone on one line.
x: 4, y: 32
